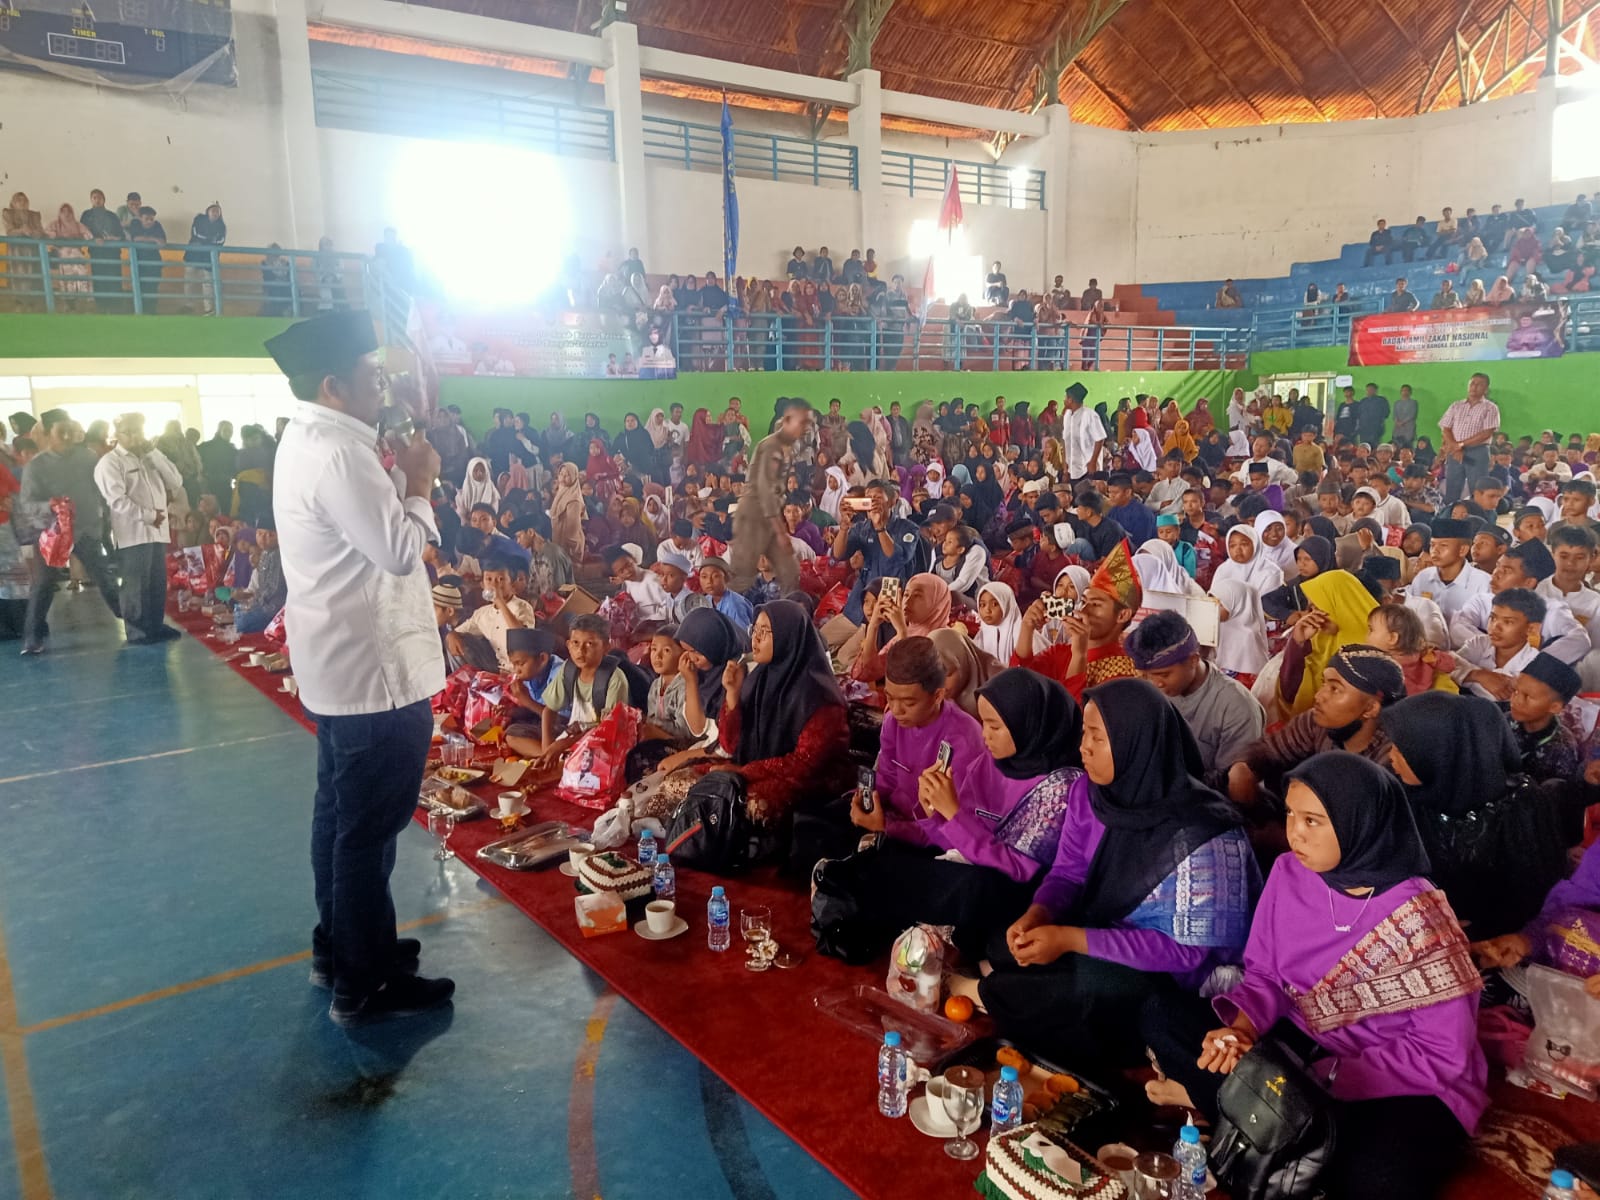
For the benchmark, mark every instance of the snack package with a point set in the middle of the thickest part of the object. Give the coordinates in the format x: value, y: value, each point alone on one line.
x: 916, y: 966
x: 832, y: 603
x: 1564, y: 1049
x: 55, y: 543
x: 593, y: 772
x: 600, y: 913
x: 623, y: 614
x: 274, y: 632
x: 487, y: 701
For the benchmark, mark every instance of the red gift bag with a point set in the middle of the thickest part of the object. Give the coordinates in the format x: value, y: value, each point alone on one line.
x: 274, y: 632
x: 55, y: 543
x: 452, y: 698
x: 832, y: 604
x: 592, y: 773
x: 487, y: 700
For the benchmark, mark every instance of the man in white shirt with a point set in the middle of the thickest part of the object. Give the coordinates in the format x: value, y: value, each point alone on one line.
x: 1527, y: 567
x: 1278, y: 471
x: 1451, y: 579
x: 136, y: 479
x: 1490, y: 662
x: 366, y: 653
x: 1082, y: 434
x: 1166, y: 496
x: 1388, y: 509
x: 1468, y: 426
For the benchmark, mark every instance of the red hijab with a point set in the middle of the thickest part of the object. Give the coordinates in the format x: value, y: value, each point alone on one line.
x: 705, y: 440
x: 600, y: 465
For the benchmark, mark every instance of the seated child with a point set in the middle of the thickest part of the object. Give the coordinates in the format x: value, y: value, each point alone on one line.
x: 446, y: 608
x: 664, y: 715
x: 1395, y: 628
x: 1565, y: 932
x: 535, y: 660
x: 1538, y: 697
x: 502, y: 610
x: 255, y: 607
x: 573, y: 690
x: 1490, y: 662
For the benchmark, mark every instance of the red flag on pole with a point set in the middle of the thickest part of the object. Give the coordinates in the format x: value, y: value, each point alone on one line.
x: 950, y: 216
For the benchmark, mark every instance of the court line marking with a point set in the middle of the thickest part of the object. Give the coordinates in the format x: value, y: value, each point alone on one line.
x: 581, y: 1152
x: 32, y: 1169
x: 256, y: 968
x: 117, y: 762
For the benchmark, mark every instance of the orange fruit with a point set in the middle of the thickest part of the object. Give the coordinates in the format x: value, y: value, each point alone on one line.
x: 958, y: 1008
x: 1041, y: 1100
x: 1061, y: 1085
x: 1008, y: 1056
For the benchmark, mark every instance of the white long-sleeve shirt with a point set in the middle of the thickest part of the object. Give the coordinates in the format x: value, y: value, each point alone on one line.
x: 1560, y: 632
x: 359, y: 617
x: 1469, y: 582
x: 135, y: 489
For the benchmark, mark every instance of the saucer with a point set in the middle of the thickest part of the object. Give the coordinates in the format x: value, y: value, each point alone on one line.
x: 921, y: 1118
x: 643, y: 930
x: 521, y: 810
x: 570, y: 871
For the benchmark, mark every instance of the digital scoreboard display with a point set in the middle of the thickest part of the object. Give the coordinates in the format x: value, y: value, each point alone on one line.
x: 121, y: 39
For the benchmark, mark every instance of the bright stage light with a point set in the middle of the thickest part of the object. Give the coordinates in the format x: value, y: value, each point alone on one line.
x: 491, y: 224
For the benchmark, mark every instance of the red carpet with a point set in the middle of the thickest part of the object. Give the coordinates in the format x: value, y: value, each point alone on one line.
x: 814, y: 1079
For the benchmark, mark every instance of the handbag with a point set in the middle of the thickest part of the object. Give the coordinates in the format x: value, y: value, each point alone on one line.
x: 711, y: 829
x: 1274, y: 1136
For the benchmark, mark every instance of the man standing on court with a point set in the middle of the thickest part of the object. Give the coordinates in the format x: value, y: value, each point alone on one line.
x: 1468, y: 426
x: 758, y: 525
x: 366, y: 653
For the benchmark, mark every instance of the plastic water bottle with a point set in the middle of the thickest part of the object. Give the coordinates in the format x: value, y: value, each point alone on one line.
x: 666, y: 879
x: 1562, y: 1186
x: 718, y: 936
x: 894, y: 1073
x: 647, y: 849
x: 1191, y: 1156
x: 1005, y: 1111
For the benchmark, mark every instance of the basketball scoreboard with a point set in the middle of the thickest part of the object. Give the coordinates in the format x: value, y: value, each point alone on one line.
x: 121, y: 39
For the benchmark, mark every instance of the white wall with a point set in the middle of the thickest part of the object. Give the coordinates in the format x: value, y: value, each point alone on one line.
x: 1100, y: 216
x: 1249, y: 202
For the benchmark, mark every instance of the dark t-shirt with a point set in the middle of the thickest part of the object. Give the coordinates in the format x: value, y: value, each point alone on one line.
x: 1103, y: 537
x: 156, y: 233
x: 103, y: 223
x: 205, y: 232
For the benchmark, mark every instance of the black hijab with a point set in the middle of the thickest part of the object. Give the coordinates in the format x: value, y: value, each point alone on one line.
x: 1425, y: 532
x: 1043, y: 719
x: 1213, y: 450
x: 1321, y: 551
x: 710, y: 633
x: 1156, y: 812
x: 636, y: 446
x: 1460, y: 747
x: 1379, y: 845
x: 779, y: 697
x: 1323, y: 528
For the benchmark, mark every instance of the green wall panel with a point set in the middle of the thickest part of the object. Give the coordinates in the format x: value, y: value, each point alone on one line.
x: 95, y: 335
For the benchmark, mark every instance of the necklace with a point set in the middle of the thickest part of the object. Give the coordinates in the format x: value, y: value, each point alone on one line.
x: 1338, y: 928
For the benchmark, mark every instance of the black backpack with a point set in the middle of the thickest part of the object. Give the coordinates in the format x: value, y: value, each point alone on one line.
x: 615, y: 660
x: 711, y: 829
x: 1274, y: 1136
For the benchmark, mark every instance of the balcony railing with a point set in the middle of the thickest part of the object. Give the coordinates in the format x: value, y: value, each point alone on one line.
x: 375, y: 104
x: 760, y: 155
x: 1293, y: 326
x: 978, y: 183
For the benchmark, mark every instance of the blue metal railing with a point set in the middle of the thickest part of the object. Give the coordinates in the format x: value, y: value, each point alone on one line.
x: 143, y: 278
x: 779, y: 342
x: 979, y: 183
x: 375, y: 104
x: 1293, y: 326
x: 762, y: 155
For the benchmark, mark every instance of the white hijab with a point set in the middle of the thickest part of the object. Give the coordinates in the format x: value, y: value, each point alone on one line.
x: 475, y: 492
x: 656, y: 426
x: 1238, y: 416
x: 1260, y: 574
x: 1242, y: 638
x: 1283, y: 552
x: 1001, y: 640
x: 830, y: 499
x: 1053, y: 632
x: 1142, y: 446
x: 1159, y: 571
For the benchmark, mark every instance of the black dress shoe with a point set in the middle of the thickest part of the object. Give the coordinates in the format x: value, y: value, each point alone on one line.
x: 407, y: 952
x: 401, y: 996
x: 166, y: 634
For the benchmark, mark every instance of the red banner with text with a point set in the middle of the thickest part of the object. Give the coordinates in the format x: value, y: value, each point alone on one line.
x: 1459, y: 335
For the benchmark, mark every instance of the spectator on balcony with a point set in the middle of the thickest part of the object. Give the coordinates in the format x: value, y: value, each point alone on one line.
x: 1091, y: 296
x: 871, y: 265
x: 1379, y: 241
x: 1228, y: 295
x: 1476, y: 297
x: 1313, y: 293
x: 105, y: 261
x: 1533, y: 290
x: 854, y: 270
x: 1560, y: 255
x: 330, y: 277
x: 207, y: 229
x: 1447, y: 233
x: 21, y: 221
x: 1047, y: 318
x: 632, y: 265
x: 1445, y: 297
x: 1060, y: 296
x: 1520, y: 218
x: 850, y: 331
x: 798, y: 268
x: 897, y: 312
x: 277, y: 295
x: 1578, y: 213
x: 995, y: 288
x: 1401, y: 299
x: 1502, y: 292
x: 394, y: 261
x: 72, y: 262
x: 1094, y: 326
x: 150, y: 236
x: 1474, y: 256
x: 685, y: 291
x: 1492, y: 229
x: 822, y: 266
x: 1414, y: 238
x: 1341, y: 298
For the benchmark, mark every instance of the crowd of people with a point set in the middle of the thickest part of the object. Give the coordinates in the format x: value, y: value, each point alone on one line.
x: 1175, y: 715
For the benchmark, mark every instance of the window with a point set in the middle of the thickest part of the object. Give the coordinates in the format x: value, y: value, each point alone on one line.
x: 244, y: 400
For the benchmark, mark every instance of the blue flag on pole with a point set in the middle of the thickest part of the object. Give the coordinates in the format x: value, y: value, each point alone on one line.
x: 730, y: 211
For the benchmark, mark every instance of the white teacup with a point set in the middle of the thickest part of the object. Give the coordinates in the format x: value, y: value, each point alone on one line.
x: 257, y: 657
x: 578, y: 853
x: 509, y: 803
x: 660, y: 915
x: 938, y: 1119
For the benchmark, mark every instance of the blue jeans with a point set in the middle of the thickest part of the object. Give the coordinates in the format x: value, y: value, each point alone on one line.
x: 253, y: 620
x: 1082, y: 549
x: 369, y: 770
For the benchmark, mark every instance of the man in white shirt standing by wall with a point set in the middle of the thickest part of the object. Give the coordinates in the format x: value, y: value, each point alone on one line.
x: 1468, y: 426
x: 135, y: 478
x: 1083, y: 435
x: 366, y: 654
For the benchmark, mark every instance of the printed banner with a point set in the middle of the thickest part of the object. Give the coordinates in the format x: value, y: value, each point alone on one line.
x: 529, y: 344
x: 1460, y: 335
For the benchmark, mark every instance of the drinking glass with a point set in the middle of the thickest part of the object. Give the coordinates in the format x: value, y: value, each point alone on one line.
x: 755, y: 923
x: 963, y: 1104
x: 1155, y: 1177
x: 442, y: 824
x: 456, y: 752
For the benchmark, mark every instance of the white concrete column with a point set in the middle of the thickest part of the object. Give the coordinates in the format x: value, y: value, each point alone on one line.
x: 1542, y: 150
x: 302, y: 155
x: 866, y: 135
x: 626, y: 102
x: 1053, y: 150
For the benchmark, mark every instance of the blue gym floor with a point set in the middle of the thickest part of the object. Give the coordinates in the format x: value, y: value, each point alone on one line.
x: 158, y: 1037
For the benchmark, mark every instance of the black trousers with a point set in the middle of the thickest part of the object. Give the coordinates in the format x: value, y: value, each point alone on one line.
x: 47, y: 581
x: 1079, y: 1012
x: 1390, y: 1148
x: 369, y: 768
x: 144, y: 589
